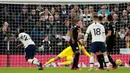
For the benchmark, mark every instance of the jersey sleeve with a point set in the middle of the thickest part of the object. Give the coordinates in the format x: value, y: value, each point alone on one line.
x: 103, y: 32
x: 87, y: 32
x: 109, y: 27
x: 19, y: 35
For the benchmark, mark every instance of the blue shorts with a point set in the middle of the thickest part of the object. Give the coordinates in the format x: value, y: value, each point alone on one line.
x: 98, y: 47
x: 30, y: 52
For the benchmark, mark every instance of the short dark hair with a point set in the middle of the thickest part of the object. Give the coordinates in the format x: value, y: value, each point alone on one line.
x: 95, y: 17
x: 21, y: 30
x: 100, y: 18
x: 110, y: 18
x: 129, y: 27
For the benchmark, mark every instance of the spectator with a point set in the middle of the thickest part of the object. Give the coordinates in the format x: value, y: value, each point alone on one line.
x: 52, y: 11
x: 42, y: 18
x: 46, y: 13
x: 7, y: 15
x: 104, y: 11
x: 22, y: 17
x: 5, y: 35
x: 45, y: 47
x: 120, y: 42
x: 128, y: 9
x: 37, y: 33
x: 116, y: 9
x: 65, y: 27
x: 87, y: 15
x: 39, y: 8
x: 115, y: 18
x: 76, y: 14
x: 122, y: 33
x: 57, y: 7
x: 112, y: 12
x: 116, y: 21
x: 57, y: 17
x: 63, y: 12
x: 34, y: 15
x: 51, y: 26
x: 80, y: 24
x: 124, y: 19
x: 127, y: 38
x: 91, y: 10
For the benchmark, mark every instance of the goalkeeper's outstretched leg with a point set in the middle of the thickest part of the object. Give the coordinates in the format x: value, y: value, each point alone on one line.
x: 52, y: 60
x: 69, y: 60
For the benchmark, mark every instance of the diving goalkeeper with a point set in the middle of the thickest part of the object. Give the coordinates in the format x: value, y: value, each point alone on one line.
x: 68, y: 55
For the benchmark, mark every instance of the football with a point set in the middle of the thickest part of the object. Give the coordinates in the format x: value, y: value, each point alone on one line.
x: 118, y: 62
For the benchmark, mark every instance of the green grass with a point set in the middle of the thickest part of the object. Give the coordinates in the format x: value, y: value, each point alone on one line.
x: 59, y: 70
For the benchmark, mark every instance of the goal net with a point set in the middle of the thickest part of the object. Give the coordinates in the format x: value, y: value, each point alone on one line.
x: 47, y: 23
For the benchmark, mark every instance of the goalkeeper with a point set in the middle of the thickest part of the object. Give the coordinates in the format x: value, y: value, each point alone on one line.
x: 68, y: 55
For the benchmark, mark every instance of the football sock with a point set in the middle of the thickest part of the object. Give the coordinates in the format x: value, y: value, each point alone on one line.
x: 106, y: 61
x: 91, y: 61
x: 76, y: 60
x: 100, y: 60
x: 32, y: 61
x: 35, y: 59
x: 50, y: 61
x: 111, y: 60
x: 65, y: 63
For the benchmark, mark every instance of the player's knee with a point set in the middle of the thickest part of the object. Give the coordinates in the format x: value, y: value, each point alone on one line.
x: 76, y: 52
x: 57, y: 58
x: 91, y: 54
x: 104, y: 53
x: 26, y: 59
x: 71, y: 60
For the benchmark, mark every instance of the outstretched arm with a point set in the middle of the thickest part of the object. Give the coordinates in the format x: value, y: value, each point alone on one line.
x: 20, y: 45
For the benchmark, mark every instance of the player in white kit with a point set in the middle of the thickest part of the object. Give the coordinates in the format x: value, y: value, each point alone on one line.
x: 29, y: 50
x: 97, y: 31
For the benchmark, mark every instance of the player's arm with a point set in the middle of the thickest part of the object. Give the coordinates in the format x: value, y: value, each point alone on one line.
x: 109, y: 32
x: 86, y: 34
x: 71, y: 35
x: 84, y: 51
x: 103, y: 33
x: 20, y: 45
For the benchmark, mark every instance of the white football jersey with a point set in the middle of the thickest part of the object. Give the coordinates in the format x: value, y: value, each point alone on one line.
x: 97, y: 31
x: 25, y: 39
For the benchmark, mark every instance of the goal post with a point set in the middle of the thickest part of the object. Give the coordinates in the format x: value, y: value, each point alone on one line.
x: 47, y: 22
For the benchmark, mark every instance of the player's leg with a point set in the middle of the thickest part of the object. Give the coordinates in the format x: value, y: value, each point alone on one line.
x: 69, y: 60
x: 60, y: 56
x: 103, y: 49
x: 29, y: 55
x: 93, y: 50
x: 75, y: 49
x: 91, y: 61
x: 110, y: 58
x: 52, y: 60
x: 76, y: 60
x: 100, y: 58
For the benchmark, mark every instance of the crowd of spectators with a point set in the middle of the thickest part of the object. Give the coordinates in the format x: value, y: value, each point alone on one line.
x: 48, y: 24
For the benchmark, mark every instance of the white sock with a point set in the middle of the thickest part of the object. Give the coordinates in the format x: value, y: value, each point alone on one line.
x: 35, y: 59
x: 32, y: 61
x: 91, y: 61
x: 106, y: 60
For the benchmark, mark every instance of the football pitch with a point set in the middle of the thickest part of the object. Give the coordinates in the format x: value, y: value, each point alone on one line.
x: 60, y: 70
